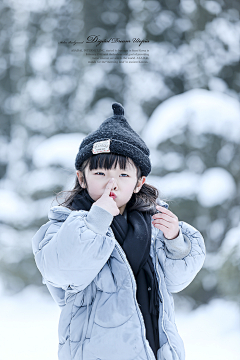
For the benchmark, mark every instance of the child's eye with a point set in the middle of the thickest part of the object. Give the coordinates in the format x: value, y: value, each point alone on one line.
x: 99, y: 173
x: 124, y: 174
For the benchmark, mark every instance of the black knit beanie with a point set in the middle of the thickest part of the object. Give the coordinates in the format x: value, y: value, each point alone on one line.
x: 115, y: 135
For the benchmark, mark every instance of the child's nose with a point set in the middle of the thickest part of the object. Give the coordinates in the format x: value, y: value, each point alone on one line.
x: 114, y: 186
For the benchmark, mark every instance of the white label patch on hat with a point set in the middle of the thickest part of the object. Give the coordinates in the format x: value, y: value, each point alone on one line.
x: 101, y: 147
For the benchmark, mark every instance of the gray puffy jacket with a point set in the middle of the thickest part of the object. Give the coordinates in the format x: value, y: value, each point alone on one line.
x: 88, y: 275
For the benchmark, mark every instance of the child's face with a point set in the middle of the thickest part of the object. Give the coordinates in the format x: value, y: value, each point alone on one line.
x: 125, y: 183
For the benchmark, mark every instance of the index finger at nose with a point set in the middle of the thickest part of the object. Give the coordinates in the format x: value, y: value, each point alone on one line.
x: 108, y: 187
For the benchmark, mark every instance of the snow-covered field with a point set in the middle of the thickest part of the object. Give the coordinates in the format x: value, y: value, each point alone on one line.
x: 212, y: 332
x: 29, y: 322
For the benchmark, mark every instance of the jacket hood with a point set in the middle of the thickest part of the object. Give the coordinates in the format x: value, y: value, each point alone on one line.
x: 59, y: 213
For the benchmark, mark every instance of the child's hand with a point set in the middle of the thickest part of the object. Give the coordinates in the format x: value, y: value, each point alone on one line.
x: 167, y: 222
x: 106, y: 202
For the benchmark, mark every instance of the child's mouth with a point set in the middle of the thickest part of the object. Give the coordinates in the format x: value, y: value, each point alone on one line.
x: 112, y: 195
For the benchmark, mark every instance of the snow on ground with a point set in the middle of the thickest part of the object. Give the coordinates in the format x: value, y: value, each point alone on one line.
x: 211, y: 332
x: 29, y: 326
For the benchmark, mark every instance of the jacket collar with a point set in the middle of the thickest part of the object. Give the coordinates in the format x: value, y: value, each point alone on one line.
x: 61, y: 213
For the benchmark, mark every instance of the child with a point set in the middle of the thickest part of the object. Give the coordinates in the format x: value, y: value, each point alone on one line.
x: 111, y: 257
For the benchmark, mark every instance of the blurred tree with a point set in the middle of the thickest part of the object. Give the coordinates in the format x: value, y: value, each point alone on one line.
x: 46, y: 89
x: 197, y: 143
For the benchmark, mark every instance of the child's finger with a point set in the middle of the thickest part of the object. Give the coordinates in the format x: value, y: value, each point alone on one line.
x: 161, y: 227
x: 162, y: 222
x: 165, y: 211
x: 108, y: 187
x: 163, y: 216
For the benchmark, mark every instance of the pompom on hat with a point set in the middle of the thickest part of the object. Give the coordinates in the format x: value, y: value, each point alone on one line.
x: 115, y: 135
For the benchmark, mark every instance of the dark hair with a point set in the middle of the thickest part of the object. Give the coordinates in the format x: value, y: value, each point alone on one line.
x: 144, y: 200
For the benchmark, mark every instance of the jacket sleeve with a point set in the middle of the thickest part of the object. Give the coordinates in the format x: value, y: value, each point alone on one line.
x: 72, y: 252
x: 181, y: 258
